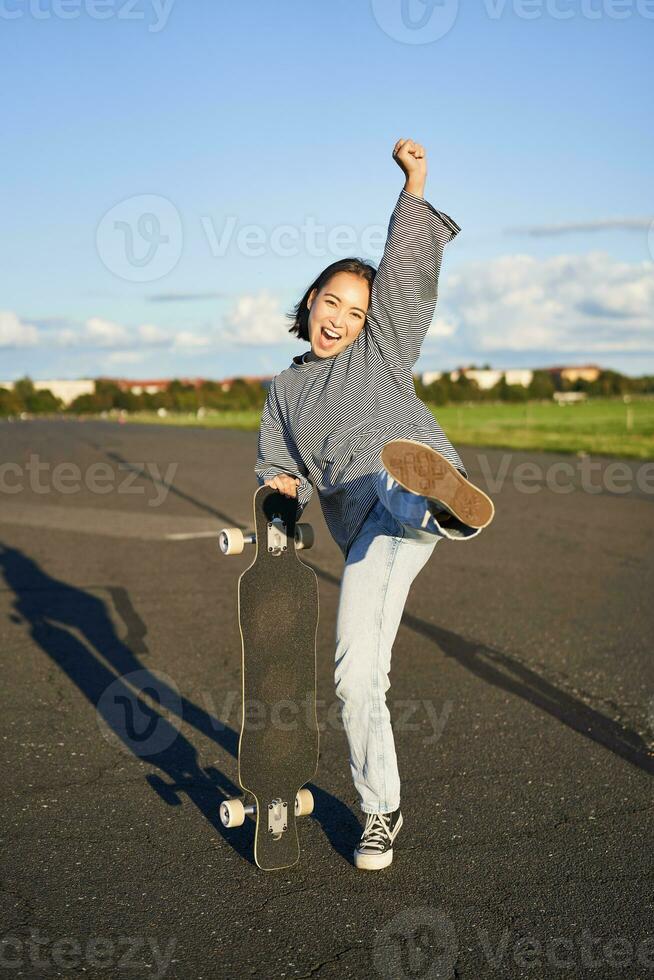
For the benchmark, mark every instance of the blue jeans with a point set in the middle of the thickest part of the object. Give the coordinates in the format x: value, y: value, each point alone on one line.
x: 393, y: 545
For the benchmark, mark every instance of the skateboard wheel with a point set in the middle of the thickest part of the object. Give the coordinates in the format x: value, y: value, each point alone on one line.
x: 303, y: 803
x: 304, y: 536
x: 231, y: 541
x: 232, y: 813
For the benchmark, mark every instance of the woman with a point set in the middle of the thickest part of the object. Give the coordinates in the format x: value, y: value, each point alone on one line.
x: 345, y: 416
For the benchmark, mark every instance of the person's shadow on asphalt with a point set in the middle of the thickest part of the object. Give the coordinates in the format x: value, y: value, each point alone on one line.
x: 508, y: 673
x: 135, y: 704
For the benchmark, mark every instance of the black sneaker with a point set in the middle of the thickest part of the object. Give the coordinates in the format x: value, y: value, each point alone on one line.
x: 375, y: 849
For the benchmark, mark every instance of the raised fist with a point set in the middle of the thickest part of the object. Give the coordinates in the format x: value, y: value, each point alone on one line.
x: 411, y: 158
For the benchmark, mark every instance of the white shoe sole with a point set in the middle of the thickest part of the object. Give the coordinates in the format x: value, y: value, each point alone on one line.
x: 373, y: 862
x: 423, y: 470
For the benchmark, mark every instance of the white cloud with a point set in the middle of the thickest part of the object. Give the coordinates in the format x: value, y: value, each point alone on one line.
x: 253, y: 320
x: 601, y: 224
x: 104, y: 333
x: 565, y: 303
x: 99, y: 334
x: 442, y: 326
x: 66, y: 337
x: 15, y: 333
x: 153, y: 336
x: 589, y: 302
x: 125, y: 357
x: 186, y: 340
x: 256, y: 319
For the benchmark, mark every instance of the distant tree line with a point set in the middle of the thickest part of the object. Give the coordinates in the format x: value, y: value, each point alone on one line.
x: 542, y: 387
x: 177, y: 397
x: 243, y: 395
x: 108, y: 396
x: 24, y: 397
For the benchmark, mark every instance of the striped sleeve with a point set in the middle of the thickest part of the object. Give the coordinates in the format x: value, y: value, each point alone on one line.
x: 405, y: 287
x: 277, y: 453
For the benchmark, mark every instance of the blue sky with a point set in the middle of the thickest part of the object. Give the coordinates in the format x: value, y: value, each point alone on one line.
x: 175, y: 174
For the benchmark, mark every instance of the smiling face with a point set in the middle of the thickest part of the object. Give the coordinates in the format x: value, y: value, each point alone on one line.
x: 337, y: 314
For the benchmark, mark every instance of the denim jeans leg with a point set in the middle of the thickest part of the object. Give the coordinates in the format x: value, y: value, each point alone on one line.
x: 380, y: 568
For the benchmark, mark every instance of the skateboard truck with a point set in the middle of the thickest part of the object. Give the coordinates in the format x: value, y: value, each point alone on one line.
x: 234, y: 811
x: 232, y: 540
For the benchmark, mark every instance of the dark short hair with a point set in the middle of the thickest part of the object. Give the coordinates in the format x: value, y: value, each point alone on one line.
x: 300, y: 313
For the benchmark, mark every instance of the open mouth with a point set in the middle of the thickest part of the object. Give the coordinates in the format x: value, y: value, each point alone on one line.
x: 328, y: 338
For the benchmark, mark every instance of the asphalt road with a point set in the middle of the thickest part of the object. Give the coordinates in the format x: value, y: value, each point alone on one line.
x: 522, y: 696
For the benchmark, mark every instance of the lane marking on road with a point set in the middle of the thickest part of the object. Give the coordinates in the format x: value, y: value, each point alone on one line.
x: 188, y: 537
x: 107, y: 522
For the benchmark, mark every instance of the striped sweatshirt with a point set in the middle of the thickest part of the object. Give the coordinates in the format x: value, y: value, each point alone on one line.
x: 326, y: 420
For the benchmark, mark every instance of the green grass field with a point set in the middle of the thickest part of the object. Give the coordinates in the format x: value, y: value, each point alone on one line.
x: 607, y: 427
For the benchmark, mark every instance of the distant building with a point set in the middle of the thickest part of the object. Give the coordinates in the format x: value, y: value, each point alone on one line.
x: 151, y: 386
x: 485, y: 377
x: 154, y: 385
x: 580, y: 372
x: 488, y: 377
x: 428, y: 377
x: 519, y: 376
x: 67, y: 390
x: 569, y: 397
x: 264, y: 380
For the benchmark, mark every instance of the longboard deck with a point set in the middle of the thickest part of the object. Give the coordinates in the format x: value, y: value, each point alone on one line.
x: 278, y: 746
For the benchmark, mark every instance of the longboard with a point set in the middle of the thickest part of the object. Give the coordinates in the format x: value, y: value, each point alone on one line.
x: 278, y: 619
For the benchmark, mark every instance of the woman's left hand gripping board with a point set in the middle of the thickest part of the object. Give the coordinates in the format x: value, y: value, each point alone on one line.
x: 284, y: 483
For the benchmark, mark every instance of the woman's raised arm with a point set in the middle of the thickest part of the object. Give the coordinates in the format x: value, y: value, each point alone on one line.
x: 405, y: 288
